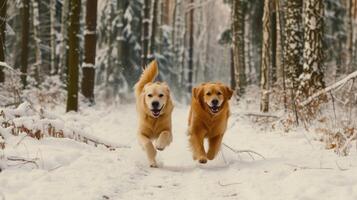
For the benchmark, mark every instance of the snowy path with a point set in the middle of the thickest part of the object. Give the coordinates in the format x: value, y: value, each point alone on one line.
x: 293, y: 169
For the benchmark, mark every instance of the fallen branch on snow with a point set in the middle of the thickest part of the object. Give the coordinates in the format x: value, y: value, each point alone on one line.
x: 97, y: 141
x: 227, y: 184
x: 249, y: 152
x: 22, y: 161
x: 262, y: 115
x: 257, y: 115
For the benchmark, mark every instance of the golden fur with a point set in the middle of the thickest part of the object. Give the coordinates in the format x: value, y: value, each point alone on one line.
x: 154, y: 122
x: 208, y: 120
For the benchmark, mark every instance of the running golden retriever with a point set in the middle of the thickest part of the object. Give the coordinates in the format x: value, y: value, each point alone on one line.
x: 154, y: 107
x: 208, y: 118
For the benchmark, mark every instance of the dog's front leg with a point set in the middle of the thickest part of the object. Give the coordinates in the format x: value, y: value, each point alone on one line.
x: 149, y: 149
x: 214, y: 146
x: 165, y: 138
x: 196, y: 141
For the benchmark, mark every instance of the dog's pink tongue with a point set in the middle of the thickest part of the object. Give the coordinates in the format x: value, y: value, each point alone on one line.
x: 156, y: 113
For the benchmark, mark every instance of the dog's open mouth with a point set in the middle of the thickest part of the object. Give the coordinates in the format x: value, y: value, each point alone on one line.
x: 214, y: 109
x: 156, y: 112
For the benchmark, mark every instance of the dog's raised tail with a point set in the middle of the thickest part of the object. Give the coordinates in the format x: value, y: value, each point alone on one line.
x: 148, y: 75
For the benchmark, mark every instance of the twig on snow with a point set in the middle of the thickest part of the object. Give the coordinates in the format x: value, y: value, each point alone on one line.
x: 262, y: 115
x: 249, y: 152
x: 306, y: 167
x: 227, y: 184
x: 23, y: 160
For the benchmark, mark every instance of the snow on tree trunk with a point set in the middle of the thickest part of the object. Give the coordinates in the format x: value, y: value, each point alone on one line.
x: 145, y: 33
x: 112, y: 71
x: 88, y: 67
x: 2, y: 37
x: 238, y: 45
x: 266, y: 61
x: 312, y: 76
x: 73, y: 55
x: 190, y: 47
x: 121, y: 7
x: 294, y: 43
x: 25, y: 24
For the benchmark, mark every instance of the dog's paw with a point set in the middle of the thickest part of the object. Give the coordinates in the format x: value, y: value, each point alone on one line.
x: 160, y: 148
x: 154, y: 165
x: 202, y: 160
x: 162, y: 142
x: 211, y: 155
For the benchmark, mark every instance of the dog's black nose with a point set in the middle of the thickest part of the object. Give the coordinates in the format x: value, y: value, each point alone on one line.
x: 214, y: 102
x: 155, y: 104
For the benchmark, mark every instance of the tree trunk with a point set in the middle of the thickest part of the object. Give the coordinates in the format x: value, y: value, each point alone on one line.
x: 73, y: 55
x: 3, y: 7
x: 266, y: 61
x: 238, y: 46
x: 145, y: 33
x: 354, y: 31
x: 279, y: 45
x: 54, y: 66
x: 63, y: 52
x: 25, y: 11
x: 121, y: 6
x: 111, y: 68
x: 154, y: 25
x: 88, y: 67
x: 36, y: 33
x: 44, y: 35
x: 233, y: 80
x: 273, y: 56
x: 190, y: 48
x: 312, y: 77
x: 294, y: 43
x: 349, y: 34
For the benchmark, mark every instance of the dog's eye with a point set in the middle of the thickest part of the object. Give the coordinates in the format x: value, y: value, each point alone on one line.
x: 219, y: 93
x: 149, y: 95
x: 208, y: 94
x: 161, y: 95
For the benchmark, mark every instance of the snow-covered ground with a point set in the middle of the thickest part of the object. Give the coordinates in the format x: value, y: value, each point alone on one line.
x: 295, y: 165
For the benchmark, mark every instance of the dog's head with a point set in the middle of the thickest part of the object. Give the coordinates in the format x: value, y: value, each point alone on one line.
x: 156, y: 96
x: 212, y: 96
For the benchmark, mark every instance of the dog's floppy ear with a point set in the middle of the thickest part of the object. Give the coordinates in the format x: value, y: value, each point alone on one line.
x: 197, y: 92
x: 228, y: 91
x: 166, y: 86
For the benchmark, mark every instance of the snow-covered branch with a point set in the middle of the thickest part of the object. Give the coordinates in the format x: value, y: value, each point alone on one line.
x: 329, y: 88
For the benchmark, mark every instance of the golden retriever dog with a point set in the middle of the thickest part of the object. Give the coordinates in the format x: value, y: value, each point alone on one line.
x: 208, y: 119
x: 154, y: 107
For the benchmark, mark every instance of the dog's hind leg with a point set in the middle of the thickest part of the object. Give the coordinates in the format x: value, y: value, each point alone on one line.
x: 165, y: 138
x: 149, y: 149
x: 214, y: 146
